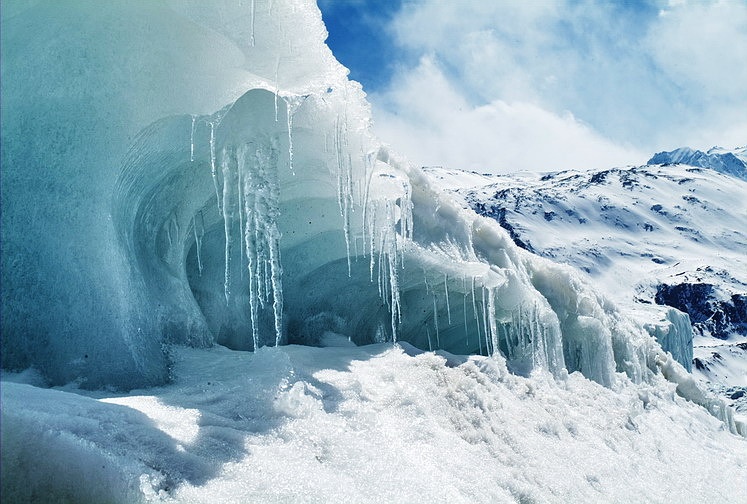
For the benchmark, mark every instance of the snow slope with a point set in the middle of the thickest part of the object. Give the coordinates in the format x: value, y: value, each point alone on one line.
x: 378, y: 423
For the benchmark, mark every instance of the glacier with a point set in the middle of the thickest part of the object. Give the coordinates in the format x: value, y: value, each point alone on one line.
x: 259, y: 213
x: 179, y: 177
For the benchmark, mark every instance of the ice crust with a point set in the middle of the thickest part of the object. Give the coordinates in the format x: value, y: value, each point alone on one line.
x: 225, y: 187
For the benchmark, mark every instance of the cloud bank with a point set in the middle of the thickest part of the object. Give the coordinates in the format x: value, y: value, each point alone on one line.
x: 506, y: 86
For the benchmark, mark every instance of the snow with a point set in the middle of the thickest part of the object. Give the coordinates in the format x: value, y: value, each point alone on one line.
x: 366, y: 424
x: 203, y: 177
x: 731, y: 162
x: 634, y: 231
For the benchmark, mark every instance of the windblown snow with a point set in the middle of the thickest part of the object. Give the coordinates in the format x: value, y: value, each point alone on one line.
x: 218, y: 286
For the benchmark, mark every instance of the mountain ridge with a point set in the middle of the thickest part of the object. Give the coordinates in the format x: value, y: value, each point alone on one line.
x: 732, y: 162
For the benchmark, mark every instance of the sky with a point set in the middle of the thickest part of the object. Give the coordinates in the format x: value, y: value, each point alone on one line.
x: 502, y: 86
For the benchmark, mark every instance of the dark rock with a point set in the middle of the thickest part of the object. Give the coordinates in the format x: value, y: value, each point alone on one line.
x: 699, y: 364
x: 707, y: 313
x: 499, y: 214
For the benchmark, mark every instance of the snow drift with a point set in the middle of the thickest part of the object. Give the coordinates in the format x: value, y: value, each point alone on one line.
x: 364, y: 424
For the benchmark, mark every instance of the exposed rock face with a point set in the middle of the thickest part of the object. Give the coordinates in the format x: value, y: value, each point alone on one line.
x: 709, y: 315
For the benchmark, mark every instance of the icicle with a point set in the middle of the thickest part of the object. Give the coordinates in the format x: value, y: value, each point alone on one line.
x: 428, y: 333
x: 249, y: 244
x: 277, y: 86
x: 198, y: 241
x: 492, y: 322
x: 446, y: 289
x: 485, y: 322
x: 521, y: 343
x: 406, y: 220
x: 372, y: 244
x: 435, y: 321
x: 291, y: 106
x: 228, y: 173
x: 258, y: 171
x: 277, y: 293
x: 192, y: 141
x: 251, y: 37
x: 344, y: 183
x: 394, y: 293
x: 369, y: 168
x: 239, y: 163
x: 466, y: 330
x: 213, y: 169
x: 289, y: 116
x: 475, y: 315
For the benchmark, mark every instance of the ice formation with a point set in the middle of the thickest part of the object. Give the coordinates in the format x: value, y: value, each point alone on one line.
x: 225, y: 188
x: 653, y: 236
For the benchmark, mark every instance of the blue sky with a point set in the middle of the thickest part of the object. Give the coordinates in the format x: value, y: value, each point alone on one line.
x: 360, y: 38
x: 544, y: 85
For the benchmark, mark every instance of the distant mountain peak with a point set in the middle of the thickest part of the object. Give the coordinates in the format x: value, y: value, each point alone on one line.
x: 728, y: 161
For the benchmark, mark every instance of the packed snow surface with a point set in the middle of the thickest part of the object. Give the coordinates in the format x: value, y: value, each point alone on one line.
x: 379, y: 423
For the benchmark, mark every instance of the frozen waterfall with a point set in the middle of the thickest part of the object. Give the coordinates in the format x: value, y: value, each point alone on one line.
x: 225, y: 188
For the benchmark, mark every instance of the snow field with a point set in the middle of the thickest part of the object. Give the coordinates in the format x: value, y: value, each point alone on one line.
x: 379, y: 423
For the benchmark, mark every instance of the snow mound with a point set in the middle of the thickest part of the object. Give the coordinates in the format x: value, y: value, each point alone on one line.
x: 366, y: 424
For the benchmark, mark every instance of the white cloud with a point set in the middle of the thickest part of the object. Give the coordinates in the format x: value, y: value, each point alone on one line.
x: 703, y: 47
x: 500, y: 77
x: 439, y: 127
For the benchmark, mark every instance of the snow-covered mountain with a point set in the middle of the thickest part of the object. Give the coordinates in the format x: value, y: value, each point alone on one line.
x: 732, y: 162
x: 660, y: 234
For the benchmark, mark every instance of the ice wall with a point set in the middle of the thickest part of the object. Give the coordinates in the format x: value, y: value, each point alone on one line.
x: 81, y: 80
x: 674, y: 332
x: 181, y: 172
